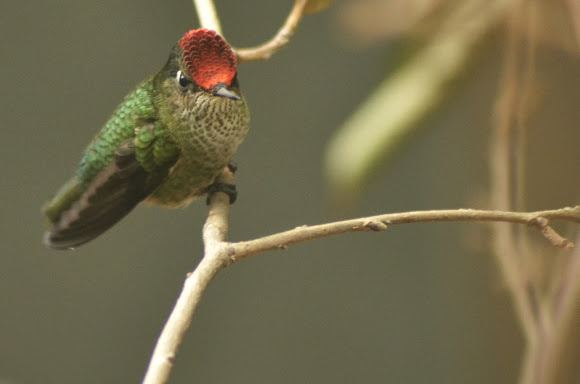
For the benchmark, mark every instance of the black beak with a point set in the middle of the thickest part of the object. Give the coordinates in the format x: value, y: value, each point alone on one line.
x: 222, y: 91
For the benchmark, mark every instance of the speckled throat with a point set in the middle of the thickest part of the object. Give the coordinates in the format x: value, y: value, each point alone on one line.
x: 208, y: 130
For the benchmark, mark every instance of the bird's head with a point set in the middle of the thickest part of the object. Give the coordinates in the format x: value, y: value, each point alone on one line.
x: 202, y: 64
x: 208, y: 62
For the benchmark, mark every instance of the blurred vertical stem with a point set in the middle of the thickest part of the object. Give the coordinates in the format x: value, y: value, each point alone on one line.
x: 546, y: 316
x: 503, y: 174
x: 574, y: 8
x: 563, y: 367
x: 401, y: 101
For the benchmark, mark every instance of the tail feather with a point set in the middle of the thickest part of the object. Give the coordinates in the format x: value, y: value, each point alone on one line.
x: 109, y: 197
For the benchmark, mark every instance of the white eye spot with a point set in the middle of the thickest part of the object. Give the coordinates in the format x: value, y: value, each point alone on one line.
x: 182, y: 80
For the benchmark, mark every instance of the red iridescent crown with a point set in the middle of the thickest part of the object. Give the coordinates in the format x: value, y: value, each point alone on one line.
x: 208, y: 59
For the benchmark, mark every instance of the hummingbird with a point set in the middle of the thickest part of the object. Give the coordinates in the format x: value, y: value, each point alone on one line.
x: 165, y: 144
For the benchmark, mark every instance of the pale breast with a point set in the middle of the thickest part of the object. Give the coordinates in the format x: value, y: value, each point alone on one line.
x: 208, y: 134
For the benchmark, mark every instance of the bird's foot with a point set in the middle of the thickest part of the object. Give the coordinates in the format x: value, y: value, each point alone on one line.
x: 228, y: 189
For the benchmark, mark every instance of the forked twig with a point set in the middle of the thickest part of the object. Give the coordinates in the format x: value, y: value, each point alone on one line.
x: 281, y: 38
x: 208, y: 18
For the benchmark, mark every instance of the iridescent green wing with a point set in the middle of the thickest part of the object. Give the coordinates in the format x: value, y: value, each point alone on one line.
x: 138, y: 167
x: 137, y: 109
x: 88, y: 206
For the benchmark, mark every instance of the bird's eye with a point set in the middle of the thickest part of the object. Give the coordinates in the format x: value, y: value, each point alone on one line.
x: 182, y: 80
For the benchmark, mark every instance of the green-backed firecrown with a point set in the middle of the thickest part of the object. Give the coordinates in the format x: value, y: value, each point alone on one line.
x: 166, y: 143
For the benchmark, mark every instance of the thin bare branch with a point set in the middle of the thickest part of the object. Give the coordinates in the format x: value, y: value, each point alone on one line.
x: 214, y: 235
x: 281, y: 240
x: 549, y: 233
x: 207, y: 15
x: 219, y: 253
x: 282, y: 37
x: 208, y: 18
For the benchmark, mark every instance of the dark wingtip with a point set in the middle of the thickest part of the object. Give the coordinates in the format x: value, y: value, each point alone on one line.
x: 49, y: 241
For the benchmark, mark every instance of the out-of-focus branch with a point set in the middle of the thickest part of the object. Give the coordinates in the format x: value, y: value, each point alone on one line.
x: 574, y: 7
x: 392, y: 112
x: 504, y: 177
x: 544, y: 316
x: 562, y: 367
x: 266, y: 50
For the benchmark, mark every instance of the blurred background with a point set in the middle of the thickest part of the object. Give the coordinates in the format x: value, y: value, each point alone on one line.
x: 420, y: 303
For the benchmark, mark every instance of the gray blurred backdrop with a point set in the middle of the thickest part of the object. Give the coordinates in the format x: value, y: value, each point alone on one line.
x: 416, y: 304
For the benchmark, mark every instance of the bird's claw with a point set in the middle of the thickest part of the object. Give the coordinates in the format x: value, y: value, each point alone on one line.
x: 228, y: 189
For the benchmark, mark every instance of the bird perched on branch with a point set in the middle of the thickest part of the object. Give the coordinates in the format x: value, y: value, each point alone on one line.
x: 165, y: 143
